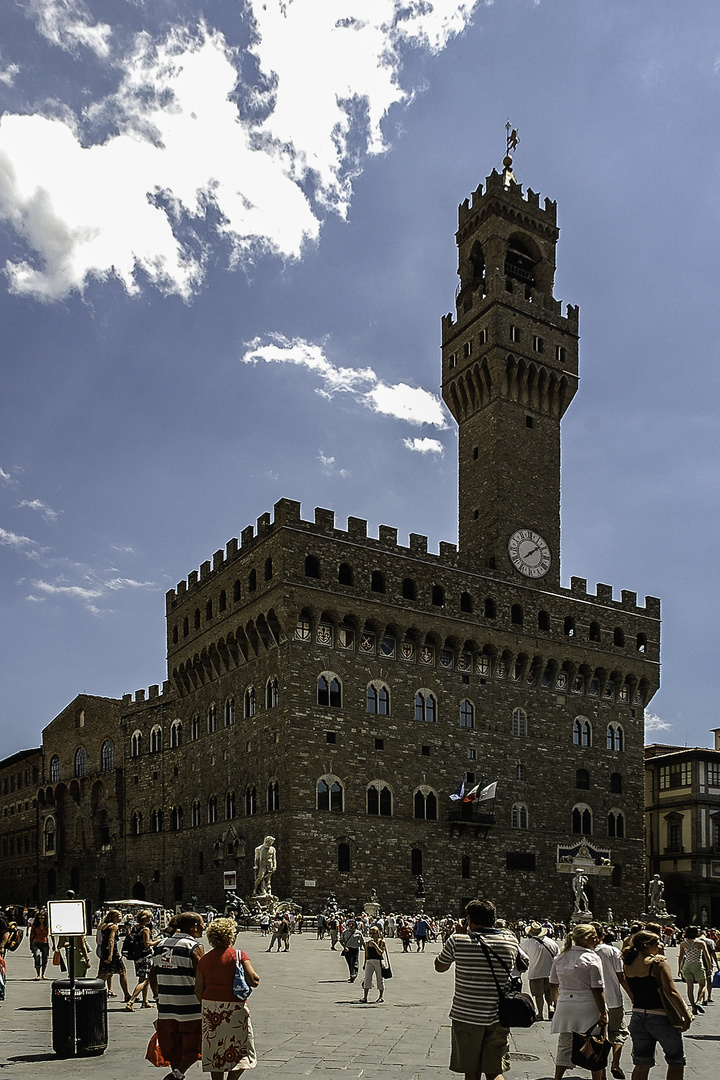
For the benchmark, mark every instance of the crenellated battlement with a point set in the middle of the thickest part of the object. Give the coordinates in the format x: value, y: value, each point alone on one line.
x: 513, y: 194
x: 153, y: 695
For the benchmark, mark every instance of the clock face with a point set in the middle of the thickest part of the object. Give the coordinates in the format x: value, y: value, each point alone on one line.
x: 529, y: 553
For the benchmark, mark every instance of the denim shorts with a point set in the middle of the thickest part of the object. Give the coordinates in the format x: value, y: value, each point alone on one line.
x: 648, y: 1029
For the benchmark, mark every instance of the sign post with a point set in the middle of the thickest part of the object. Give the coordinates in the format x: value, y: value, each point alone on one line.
x: 66, y: 918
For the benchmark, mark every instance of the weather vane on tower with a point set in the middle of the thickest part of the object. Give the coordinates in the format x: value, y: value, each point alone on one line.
x: 511, y: 142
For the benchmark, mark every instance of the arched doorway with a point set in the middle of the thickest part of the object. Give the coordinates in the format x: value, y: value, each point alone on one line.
x: 138, y: 891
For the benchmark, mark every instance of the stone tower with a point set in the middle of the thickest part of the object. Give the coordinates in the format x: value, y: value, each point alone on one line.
x: 510, y: 363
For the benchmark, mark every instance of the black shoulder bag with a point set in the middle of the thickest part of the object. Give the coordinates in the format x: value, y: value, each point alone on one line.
x: 515, y: 1009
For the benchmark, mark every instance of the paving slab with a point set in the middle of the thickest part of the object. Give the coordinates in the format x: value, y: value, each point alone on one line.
x: 308, y: 1022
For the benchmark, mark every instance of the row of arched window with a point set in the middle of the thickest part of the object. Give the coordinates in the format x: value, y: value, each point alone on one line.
x: 211, y: 607
x: 583, y: 735
x: 581, y: 820
x: 209, y: 813
x: 80, y: 762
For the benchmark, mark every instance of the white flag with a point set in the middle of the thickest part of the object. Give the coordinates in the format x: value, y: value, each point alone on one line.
x: 487, y: 792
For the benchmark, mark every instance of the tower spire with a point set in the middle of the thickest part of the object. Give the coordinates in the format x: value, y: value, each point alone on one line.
x: 511, y: 141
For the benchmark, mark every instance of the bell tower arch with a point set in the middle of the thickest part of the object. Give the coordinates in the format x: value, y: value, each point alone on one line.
x: 509, y: 366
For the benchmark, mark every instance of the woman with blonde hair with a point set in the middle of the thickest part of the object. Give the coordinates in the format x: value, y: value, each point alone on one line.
x: 374, y: 952
x: 110, y: 959
x: 141, y: 941
x: 576, y: 984
x: 227, y: 1034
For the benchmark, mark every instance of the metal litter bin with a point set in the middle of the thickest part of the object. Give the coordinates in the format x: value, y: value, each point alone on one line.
x: 91, y: 1033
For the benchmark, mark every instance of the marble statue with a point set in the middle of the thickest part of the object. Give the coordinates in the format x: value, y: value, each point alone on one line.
x: 265, y: 866
x: 656, y: 904
x: 581, y: 901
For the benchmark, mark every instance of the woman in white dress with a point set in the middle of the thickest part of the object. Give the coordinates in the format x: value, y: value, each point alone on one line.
x: 576, y: 982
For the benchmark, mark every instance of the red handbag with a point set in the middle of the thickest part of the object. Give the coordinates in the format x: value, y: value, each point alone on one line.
x: 154, y: 1054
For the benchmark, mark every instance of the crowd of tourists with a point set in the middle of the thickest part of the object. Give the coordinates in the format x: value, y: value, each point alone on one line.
x: 576, y: 980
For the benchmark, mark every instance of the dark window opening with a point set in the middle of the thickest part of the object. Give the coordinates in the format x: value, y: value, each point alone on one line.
x: 330, y: 736
x: 438, y: 596
x: 543, y: 620
x: 252, y: 581
x: 489, y: 608
x: 312, y: 567
x: 409, y: 591
x: 379, y: 744
x: 466, y: 602
x: 416, y: 862
x: 516, y: 615
x: 345, y: 574
x: 465, y: 866
x: 344, y: 858
x: 582, y: 779
x: 377, y: 582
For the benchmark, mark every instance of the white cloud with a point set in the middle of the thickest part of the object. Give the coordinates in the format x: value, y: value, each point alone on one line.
x: 20, y: 543
x: 409, y: 403
x: 5, y: 477
x: 68, y: 23
x: 8, y: 74
x: 425, y: 446
x: 655, y: 723
x: 86, y: 594
x: 34, y: 504
x: 180, y: 153
x: 328, y: 464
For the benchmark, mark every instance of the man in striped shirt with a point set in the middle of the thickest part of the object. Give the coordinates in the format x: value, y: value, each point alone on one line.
x: 479, y: 1043
x: 172, y: 978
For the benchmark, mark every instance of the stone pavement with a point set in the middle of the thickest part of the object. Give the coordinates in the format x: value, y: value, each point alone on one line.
x: 309, y: 1023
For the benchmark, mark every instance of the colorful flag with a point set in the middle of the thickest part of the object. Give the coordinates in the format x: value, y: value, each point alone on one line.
x: 472, y: 794
x: 488, y: 792
x: 457, y: 795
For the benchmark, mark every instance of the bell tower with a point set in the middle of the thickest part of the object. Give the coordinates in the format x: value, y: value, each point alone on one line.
x: 509, y: 371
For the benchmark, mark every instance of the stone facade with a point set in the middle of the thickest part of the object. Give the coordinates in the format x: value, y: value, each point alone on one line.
x: 19, y: 776
x: 332, y: 689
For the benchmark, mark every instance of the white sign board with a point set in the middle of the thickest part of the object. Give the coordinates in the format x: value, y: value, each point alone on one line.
x: 230, y: 880
x: 67, y: 917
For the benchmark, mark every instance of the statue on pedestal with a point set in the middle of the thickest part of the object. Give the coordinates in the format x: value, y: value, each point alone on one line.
x: 265, y: 866
x: 656, y: 904
x: 581, y: 901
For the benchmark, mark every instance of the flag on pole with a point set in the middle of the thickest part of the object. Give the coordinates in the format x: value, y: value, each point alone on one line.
x: 458, y: 794
x: 487, y: 792
x: 472, y: 794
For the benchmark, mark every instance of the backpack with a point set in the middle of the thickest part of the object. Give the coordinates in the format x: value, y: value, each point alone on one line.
x: 133, y: 947
x: 15, y: 936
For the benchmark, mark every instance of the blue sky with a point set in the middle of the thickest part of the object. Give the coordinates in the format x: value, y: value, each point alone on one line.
x: 226, y: 242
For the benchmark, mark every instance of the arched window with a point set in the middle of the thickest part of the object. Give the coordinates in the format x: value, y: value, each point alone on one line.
x: 196, y: 619
x: 616, y: 824
x: 195, y: 728
x: 438, y: 596
x: 569, y: 626
x: 136, y: 744
x: 229, y: 711
x: 156, y: 821
x: 543, y: 620
x: 582, y: 820
x: 273, y: 796
x: 582, y: 779
x: 156, y: 739
x: 136, y: 823
x: 594, y: 632
x: 107, y: 756
x: 344, y: 858
x: 416, y: 862
x: 345, y: 574
x: 80, y: 762
x: 186, y: 626
x: 641, y: 643
x: 212, y: 810
x: 520, y: 772
x: 329, y: 691
x: 176, y: 818
x: 175, y: 635
x: 377, y: 699
x: 250, y: 801
x: 377, y: 582
x: 329, y: 794
x: 230, y: 808
x: 54, y: 769
x: 312, y: 567
x: 490, y: 609
x: 425, y: 804
x: 519, y: 817
x: 615, y: 737
x: 619, y: 637
x: 49, y: 836
x: 582, y: 731
x: 379, y: 799
x: 616, y: 783
x: 176, y: 734
x: 212, y: 719
x: 222, y: 601
x: 465, y: 866
x: 208, y: 610
x: 249, y: 702
x: 252, y: 581
x: 195, y: 817
x: 516, y: 615
x: 467, y: 714
x: 268, y: 570
x: 466, y: 602
x: 519, y: 723
x: 409, y: 589
x: 237, y: 592
x: 425, y: 706
x: 272, y: 692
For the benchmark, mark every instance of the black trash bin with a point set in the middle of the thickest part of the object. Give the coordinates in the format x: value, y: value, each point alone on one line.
x: 91, y: 1031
